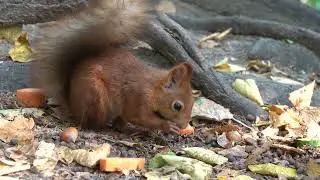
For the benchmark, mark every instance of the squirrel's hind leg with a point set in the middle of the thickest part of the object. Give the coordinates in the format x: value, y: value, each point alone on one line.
x: 89, y: 98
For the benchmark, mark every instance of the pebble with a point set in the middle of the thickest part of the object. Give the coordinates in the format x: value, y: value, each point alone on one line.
x: 209, y: 139
x: 265, y: 160
x: 13, y: 141
x: 251, y: 141
x: 132, y: 153
x: 231, y: 158
x: 249, y: 149
x: 301, y: 169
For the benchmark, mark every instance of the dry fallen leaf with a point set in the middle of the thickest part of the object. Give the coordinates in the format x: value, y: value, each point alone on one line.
x: 204, y: 108
x: 260, y: 66
x: 270, y: 131
x: 301, y: 98
x: 284, y: 80
x: 88, y: 158
x: 313, y: 168
x: 249, y: 89
x: 45, y: 158
x: 11, y: 169
x: 288, y: 117
x: 21, y: 52
x: 223, y: 65
x: 20, y: 128
x: 10, y: 114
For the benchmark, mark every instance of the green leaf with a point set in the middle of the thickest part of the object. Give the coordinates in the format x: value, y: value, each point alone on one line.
x: 157, y: 161
x: 195, y: 168
x: 205, y: 155
x: 305, y: 141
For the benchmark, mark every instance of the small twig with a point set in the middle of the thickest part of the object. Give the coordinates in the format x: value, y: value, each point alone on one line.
x: 243, y: 124
x: 211, y: 36
x: 288, y: 148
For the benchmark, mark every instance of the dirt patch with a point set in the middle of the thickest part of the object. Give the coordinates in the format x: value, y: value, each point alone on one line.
x: 146, y: 145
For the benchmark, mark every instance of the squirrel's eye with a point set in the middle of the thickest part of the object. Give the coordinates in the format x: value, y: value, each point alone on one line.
x: 177, y: 105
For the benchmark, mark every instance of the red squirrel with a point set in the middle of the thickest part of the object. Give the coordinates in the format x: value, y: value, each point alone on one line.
x: 82, y: 61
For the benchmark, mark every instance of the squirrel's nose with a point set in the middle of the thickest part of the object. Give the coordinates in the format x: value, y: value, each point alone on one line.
x: 184, y: 123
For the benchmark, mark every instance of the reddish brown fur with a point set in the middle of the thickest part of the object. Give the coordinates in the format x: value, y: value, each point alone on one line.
x: 116, y: 84
x: 81, y: 64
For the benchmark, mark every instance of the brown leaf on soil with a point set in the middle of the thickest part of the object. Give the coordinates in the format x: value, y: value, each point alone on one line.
x: 88, y: 158
x: 288, y: 148
x: 20, y: 128
x: 20, y: 153
x: 260, y: 66
x: 223, y: 128
x: 313, y: 168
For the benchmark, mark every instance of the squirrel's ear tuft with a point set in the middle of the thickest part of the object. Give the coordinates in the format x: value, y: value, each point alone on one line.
x: 178, y: 76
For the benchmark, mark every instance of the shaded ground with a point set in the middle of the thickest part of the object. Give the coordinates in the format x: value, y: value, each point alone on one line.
x: 147, y: 145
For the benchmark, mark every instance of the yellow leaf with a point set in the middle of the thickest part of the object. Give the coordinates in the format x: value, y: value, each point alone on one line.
x: 21, y: 52
x: 223, y: 65
x: 88, y: 158
x: 278, y: 109
x: 10, y: 33
x: 259, y: 65
x: 249, y: 89
x: 288, y: 117
x: 301, y: 98
x: 272, y: 169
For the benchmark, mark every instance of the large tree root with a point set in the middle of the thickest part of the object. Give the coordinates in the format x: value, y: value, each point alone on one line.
x: 249, y: 26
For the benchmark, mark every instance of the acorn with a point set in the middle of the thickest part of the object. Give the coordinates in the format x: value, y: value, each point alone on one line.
x: 69, y: 135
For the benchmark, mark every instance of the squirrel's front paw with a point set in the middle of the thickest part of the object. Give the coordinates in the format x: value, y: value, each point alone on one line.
x: 171, y: 127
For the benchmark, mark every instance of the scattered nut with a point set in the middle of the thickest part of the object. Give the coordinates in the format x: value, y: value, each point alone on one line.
x: 69, y: 134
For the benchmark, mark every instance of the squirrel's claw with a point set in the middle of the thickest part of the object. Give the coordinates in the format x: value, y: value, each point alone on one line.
x: 173, y: 127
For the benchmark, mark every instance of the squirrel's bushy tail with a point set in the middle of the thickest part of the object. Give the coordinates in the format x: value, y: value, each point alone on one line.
x: 59, y: 48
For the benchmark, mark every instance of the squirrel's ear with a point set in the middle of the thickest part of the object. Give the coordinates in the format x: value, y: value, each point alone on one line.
x: 178, y: 76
